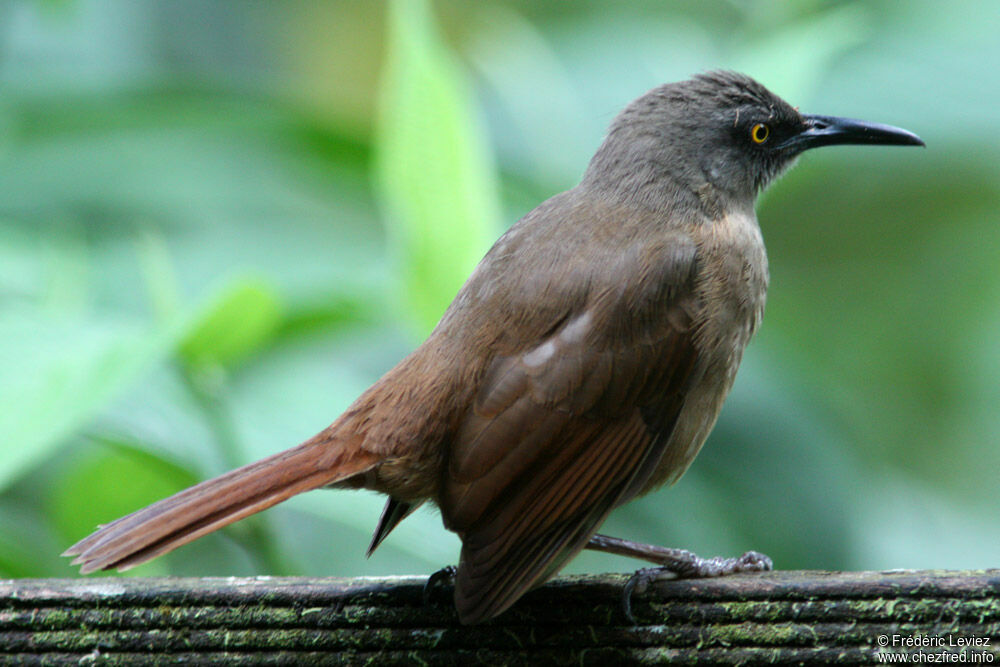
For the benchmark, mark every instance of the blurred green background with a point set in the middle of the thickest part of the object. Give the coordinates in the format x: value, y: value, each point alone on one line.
x: 220, y: 222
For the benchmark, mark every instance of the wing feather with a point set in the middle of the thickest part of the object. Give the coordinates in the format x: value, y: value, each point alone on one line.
x: 563, y: 431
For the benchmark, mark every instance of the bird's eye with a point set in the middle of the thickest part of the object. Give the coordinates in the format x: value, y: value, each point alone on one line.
x: 759, y: 133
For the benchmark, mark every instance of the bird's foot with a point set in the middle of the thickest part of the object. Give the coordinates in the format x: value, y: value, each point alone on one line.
x: 687, y: 565
x: 684, y: 564
x: 436, y: 579
x: 674, y: 564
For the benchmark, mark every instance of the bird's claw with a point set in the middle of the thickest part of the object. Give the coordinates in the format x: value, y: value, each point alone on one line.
x: 754, y: 561
x: 436, y: 578
x: 639, y: 581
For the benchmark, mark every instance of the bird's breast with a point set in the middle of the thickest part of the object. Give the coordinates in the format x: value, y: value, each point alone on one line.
x: 732, y: 285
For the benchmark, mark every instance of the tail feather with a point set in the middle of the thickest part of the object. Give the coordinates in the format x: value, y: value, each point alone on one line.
x: 201, y: 509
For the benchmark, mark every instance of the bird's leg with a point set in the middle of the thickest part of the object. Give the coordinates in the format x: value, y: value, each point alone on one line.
x: 682, y: 563
x: 677, y: 563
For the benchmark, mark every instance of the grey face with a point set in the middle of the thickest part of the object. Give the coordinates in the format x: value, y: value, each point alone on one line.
x: 723, y: 129
x: 755, y: 134
x: 745, y: 137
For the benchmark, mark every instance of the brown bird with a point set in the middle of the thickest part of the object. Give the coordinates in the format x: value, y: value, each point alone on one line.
x: 582, y: 364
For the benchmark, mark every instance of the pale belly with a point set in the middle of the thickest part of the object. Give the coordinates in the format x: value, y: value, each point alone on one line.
x: 732, y: 289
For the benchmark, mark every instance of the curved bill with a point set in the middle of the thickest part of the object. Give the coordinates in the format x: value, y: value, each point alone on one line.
x: 830, y: 131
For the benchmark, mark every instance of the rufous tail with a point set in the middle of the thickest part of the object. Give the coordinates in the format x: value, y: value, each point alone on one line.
x: 201, y: 509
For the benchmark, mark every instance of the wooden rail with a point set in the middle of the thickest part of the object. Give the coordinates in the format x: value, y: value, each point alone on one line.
x: 768, y: 618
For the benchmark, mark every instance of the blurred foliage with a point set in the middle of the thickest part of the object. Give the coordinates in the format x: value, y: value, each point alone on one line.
x: 434, y: 167
x: 219, y: 223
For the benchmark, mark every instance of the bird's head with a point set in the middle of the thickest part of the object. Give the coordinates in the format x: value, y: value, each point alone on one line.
x: 720, y: 133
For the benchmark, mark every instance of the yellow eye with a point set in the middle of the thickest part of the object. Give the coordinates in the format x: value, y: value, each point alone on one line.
x: 759, y: 133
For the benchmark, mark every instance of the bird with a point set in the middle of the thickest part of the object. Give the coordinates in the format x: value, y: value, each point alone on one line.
x: 581, y: 365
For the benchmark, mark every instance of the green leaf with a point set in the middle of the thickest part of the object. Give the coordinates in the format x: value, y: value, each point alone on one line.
x: 26, y: 545
x: 237, y: 323
x: 58, y: 372
x: 434, y: 167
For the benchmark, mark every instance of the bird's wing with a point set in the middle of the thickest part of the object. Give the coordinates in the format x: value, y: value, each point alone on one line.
x: 562, y: 432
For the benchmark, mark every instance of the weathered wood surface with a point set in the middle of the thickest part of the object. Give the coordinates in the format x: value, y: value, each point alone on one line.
x: 769, y: 618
